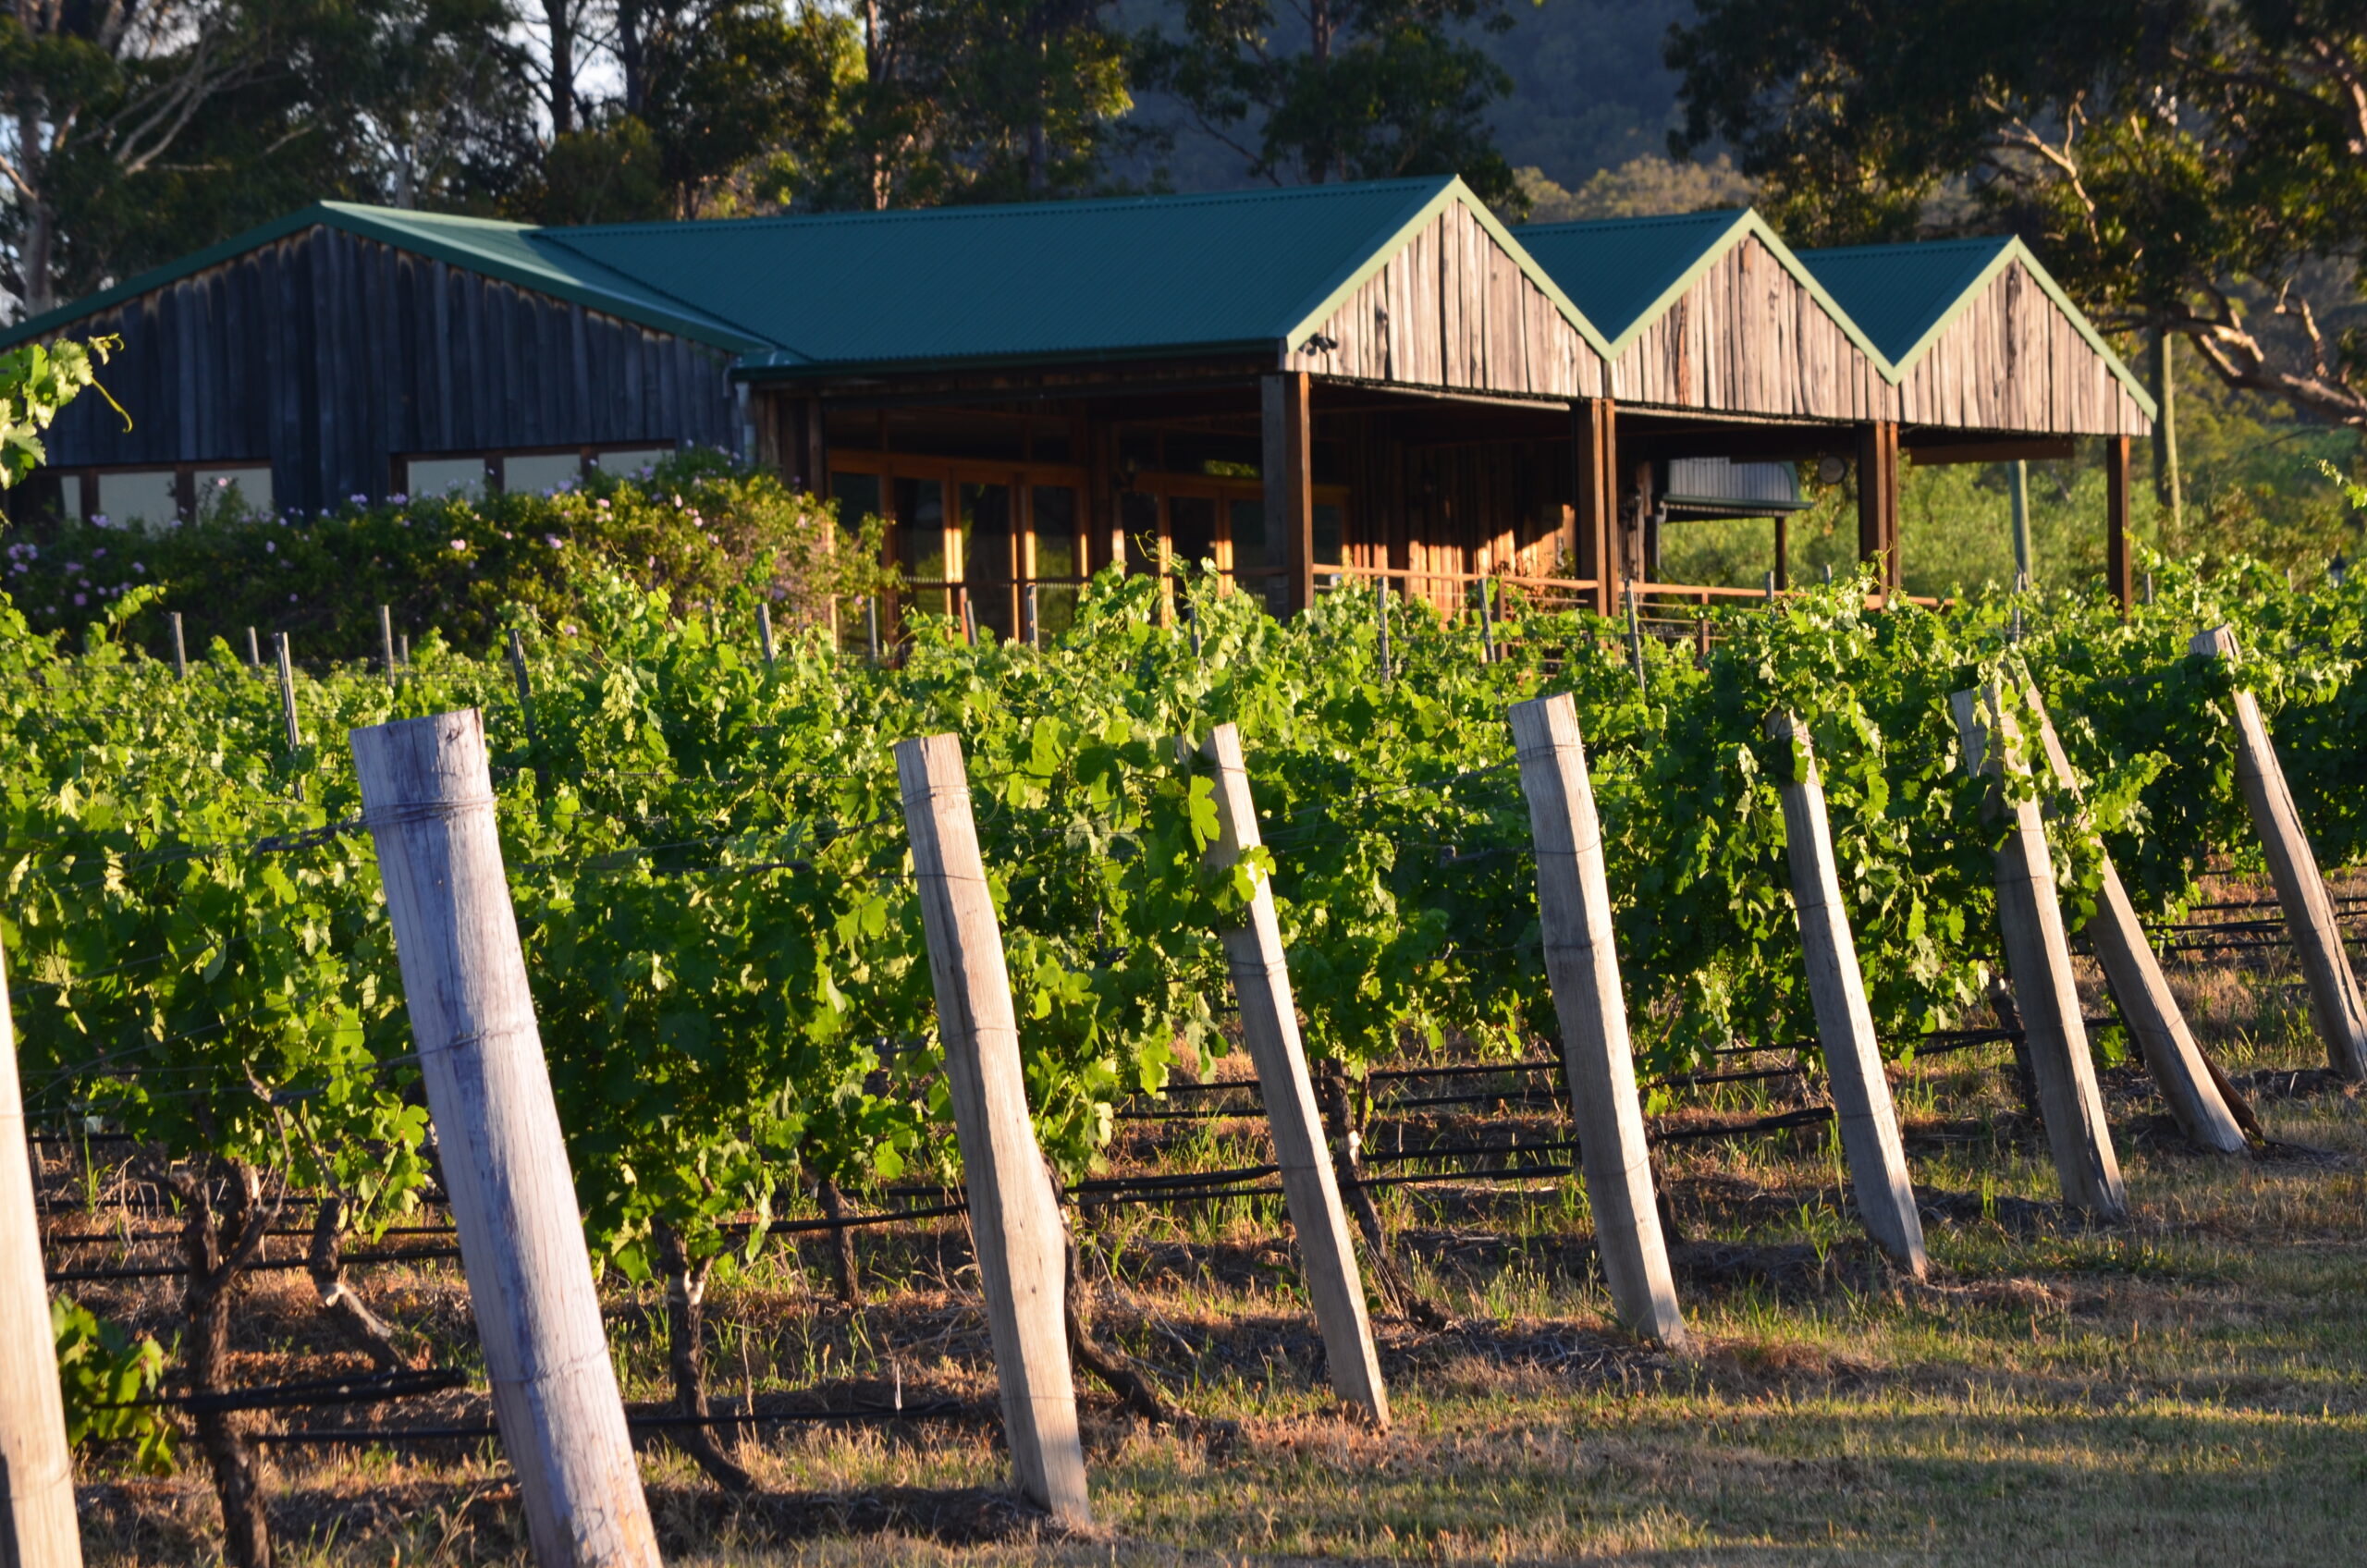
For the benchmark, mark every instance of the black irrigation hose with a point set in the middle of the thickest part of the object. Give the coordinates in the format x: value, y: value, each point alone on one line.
x: 265, y: 1265
x: 488, y: 1430
x: 307, y: 1395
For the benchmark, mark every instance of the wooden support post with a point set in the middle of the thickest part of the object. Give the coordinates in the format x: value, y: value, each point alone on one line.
x: 1014, y: 1216
x: 2117, y: 569
x: 180, y: 649
x: 1261, y: 983
x: 2038, y: 961
x: 427, y: 795
x: 1573, y: 905
x: 387, y: 641
x: 765, y: 631
x: 1594, y: 444
x: 254, y: 650
x: 1878, y: 500
x: 1845, y: 1027
x: 2147, y: 1005
x: 1289, y: 481
x: 37, y: 1528
x: 2335, y: 1003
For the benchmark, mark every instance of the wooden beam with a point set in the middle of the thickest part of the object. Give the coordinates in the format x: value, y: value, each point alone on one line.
x: 1594, y: 449
x: 1930, y: 449
x: 2116, y: 564
x: 1878, y: 499
x: 1289, y: 480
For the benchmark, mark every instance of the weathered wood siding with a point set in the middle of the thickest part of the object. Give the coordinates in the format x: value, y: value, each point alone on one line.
x: 1747, y: 338
x: 2013, y: 360
x: 327, y: 355
x: 1453, y: 309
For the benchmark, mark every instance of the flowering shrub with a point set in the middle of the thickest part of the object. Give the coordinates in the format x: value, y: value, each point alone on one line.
x: 696, y: 527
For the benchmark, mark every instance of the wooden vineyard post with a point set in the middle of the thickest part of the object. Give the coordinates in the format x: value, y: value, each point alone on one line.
x: 1261, y: 983
x: 427, y: 795
x: 387, y: 642
x: 180, y: 649
x: 37, y: 1528
x: 2147, y: 1005
x: 1573, y: 905
x: 1014, y: 1215
x: 1845, y: 1027
x: 2334, y: 1002
x: 2038, y: 961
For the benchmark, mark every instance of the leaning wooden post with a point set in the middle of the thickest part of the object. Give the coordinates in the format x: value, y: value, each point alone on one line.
x: 2147, y: 1005
x: 180, y: 649
x: 1014, y: 1215
x: 287, y: 702
x: 1844, y: 1025
x: 1261, y: 982
x: 427, y: 795
x: 2334, y: 1002
x: 37, y: 1528
x: 2038, y: 961
x: 387, y: 642
x: 1573, y: 905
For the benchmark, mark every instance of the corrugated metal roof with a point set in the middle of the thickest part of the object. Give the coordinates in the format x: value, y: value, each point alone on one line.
x: 1900, y: 293
x: 515, y: 253
x: 1045, y: 280
x: 1616, y: 270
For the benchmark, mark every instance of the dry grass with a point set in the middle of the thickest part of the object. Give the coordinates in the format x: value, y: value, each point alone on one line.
x: 2189, y: 1387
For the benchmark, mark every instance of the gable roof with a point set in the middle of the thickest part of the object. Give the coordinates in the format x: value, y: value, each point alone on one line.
x: 1247, y: 271
x: 515, y: 253
x: 1624, y: 272
x: 1905, y: 294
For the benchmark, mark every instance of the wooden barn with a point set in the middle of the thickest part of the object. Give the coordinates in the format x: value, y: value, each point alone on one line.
x: 349, y: 350
x: 1299, y: 387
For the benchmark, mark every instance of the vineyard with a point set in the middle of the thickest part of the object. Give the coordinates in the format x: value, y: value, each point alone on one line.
x: 724, y: 909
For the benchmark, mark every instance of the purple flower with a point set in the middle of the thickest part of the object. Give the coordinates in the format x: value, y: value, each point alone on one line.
x: 271, y: 546
x: 460, y: 543
x: 552, y: 540
x: 138, y: 566
x: 399, y: 498
x: 101, y: 551
x: 82, y: 598
x: 359, y: 500
x: 291, y: 598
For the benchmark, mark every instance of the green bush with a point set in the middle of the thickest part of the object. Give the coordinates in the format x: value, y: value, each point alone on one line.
x: 695, y: 527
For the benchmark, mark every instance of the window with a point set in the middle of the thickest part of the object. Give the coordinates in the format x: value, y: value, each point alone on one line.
x: 626, y: 462
x: 149, y: 495
x: 425, y: 477
x: 538, y: 473
x: 248, y: 486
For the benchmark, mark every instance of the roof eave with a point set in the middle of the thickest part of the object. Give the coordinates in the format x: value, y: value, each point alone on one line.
x: 760, y: 368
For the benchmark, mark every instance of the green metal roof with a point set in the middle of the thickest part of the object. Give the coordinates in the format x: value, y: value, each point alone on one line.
x: 1143, y: 276
x: 1618, y: 270
x: 1624, y: 272
x: 1905, y: 294
x: 515, y: 253
x: 1900, y: 294
x: 1249, y: 271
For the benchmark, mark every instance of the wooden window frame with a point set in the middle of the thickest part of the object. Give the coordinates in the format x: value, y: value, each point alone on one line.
x: 1022, y: 479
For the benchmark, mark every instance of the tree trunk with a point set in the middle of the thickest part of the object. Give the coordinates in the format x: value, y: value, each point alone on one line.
x: 686, y: 1329
x: 361, y: 1329
x: 843, y: 1264
x: 558, y: 15
x: 2009, y: 1018
x: 1337, y: 1097
x: 1115, y: 1368
x: 216, y: 1249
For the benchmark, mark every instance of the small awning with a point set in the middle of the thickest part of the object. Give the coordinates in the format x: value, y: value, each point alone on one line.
x: 1722, y: 487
